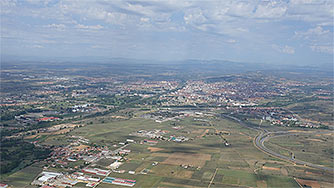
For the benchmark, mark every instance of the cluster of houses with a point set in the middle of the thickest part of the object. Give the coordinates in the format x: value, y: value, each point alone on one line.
x: 87, y: 173
x: 158, y: 134
x: 83, y: 108
x: 80, y: 149
x: 54, y: 179
x: 154, y: 134
x: 120, y: 181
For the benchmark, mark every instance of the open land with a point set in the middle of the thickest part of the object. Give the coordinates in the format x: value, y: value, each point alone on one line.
x: 144, y: 129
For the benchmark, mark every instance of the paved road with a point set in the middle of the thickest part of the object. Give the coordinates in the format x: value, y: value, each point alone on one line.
x: 264, y: 135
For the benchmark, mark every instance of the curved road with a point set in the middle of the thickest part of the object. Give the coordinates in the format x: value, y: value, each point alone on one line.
x: 264, y: 135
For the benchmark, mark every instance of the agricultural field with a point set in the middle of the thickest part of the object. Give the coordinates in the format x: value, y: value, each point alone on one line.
x: 311, y: 147
x: 202, y: 160
x: 24, y: 177
x: 240, y: 164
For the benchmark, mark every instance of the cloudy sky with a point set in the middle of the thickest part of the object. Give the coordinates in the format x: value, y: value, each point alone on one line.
x: 282, y: 31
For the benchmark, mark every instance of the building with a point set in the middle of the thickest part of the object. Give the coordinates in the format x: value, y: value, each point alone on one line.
x: 115, y: 165
x: 2, y: 185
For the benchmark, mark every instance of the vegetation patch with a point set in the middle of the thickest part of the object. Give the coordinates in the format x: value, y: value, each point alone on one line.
x: 197, y: 159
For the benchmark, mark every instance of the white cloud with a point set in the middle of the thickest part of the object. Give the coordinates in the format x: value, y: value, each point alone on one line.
x: 298, y: 2
x: 312, y: 32
x: 323, y: 48
x: 311, y: 11
x: 34, y: 1
x: 7, y: 6
x: 317, y: 31
x: 37, y: 46
x: 96, y: 46
x: 194, y: 16
x: 140, y: 9
x: 59, y: 27
x: 270, y: 10
x: 288, y: 50
x: 93, y: 27
x: 240, y: 9
x: 252, y: 24
x: 231, y: 41
x: 317, y: 39
x: 118, y: 18
x: 284, y: 49
x: 145, y: 20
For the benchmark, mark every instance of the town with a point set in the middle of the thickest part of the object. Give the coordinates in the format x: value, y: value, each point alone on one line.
x: 120, y: 129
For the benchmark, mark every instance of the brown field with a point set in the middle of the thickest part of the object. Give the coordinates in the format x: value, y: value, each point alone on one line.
x: 327, y: 134
x: 78, y: 148
x: 316, y: 140
x: 204, y: 133
x: 118, y: 117
x: 188, y: 159
x: 261, y: 184
x: 186, y: 174
x: 311, y: 173
x: 56, y: 129
x: 63, y: 131
x: 31, y: 136
x: 284, y: 171
x: 326, y: 184
x: 154, y: 149
x: 141, y: 167
x: 296, y: 131
x: 250, y: 138
x: 66, y: 126
x: 271, y: 168
x: 160, y: 155
x: 45, y: 83
x: 175, y: 185
x: 313, y: 184
x: 197, y: 131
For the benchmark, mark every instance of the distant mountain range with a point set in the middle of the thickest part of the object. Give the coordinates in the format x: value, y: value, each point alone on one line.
x: 192, y: 65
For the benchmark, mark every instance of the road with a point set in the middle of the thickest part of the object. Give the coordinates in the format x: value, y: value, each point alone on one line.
x: 265, y: 135
x: 213, y: 177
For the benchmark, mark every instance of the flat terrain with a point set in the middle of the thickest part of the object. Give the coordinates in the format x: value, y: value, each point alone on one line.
x: 311, y: 148
x: 202, y: 159
x: 240, y: 164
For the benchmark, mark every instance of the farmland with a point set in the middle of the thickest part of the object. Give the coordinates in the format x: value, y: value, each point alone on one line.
x: 193, y: 163
x: 106, y: 131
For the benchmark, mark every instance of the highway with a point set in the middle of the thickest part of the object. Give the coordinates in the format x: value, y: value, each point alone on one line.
x: 264, y: 135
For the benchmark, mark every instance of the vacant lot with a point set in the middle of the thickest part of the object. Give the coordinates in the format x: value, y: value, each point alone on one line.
x: 154, y: 149
x: 197, y: 159
x: 313, y: 184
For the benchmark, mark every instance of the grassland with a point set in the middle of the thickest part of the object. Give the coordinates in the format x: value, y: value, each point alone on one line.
x: 241, y: 164
x: 24, y: 177
x: 312, y: 148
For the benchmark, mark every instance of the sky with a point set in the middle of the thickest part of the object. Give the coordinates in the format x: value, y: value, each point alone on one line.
x: 278, y: 31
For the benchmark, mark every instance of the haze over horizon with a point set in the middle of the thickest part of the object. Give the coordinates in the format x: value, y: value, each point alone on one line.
x: 296, y: 32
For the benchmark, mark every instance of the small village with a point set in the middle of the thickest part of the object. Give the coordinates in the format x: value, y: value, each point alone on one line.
x: 88, y: 171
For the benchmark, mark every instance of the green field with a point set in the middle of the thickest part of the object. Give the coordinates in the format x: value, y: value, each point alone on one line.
x: 312, y: 148
x: 25, y: 176
x: 240, y: 165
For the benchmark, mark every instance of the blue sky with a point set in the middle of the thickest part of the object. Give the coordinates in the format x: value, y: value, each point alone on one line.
x: 280, y: 32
